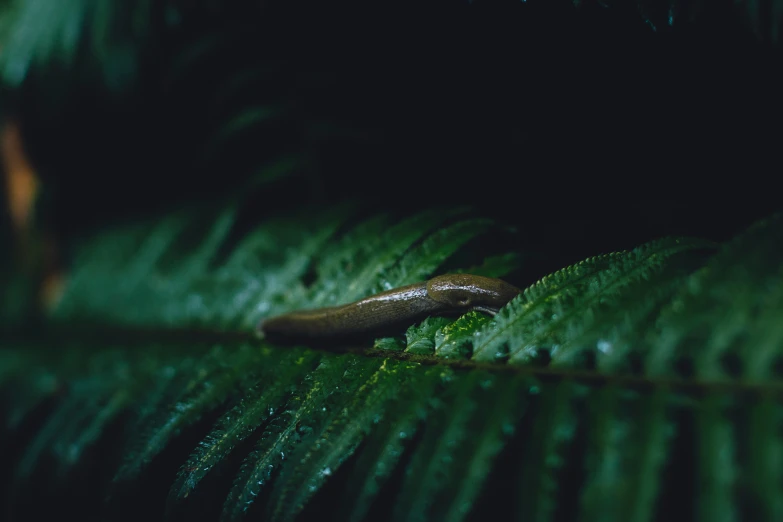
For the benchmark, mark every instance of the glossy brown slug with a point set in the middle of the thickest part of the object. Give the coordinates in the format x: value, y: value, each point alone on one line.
x: 387, y: 312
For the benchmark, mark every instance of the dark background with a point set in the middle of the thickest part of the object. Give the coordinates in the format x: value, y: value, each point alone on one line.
x: 591, y: 128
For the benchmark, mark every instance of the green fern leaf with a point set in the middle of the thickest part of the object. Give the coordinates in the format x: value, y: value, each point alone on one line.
x: 340, y: 438
x: 716, y: 461
x: 436, y: 427
x: 550, y: 439
x: 425, y: 257
x: 720, y: 305
x: 421, y: 338
x: 764, y: 478
x: 474, y: 460
x: 256, y: 407
x: 378, y: 460
x: 445, y: 446
x: 205, y: 387
x: 303, y: 419
x: 620, y: 420
x: 534, y: 306
x: 456, y: 339
x: 627, y: 277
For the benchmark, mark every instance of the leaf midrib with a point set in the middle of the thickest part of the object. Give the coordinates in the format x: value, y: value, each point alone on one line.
x: 119, y: 336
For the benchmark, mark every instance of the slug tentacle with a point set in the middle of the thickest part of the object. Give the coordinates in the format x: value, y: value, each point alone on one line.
x: 389, y: 311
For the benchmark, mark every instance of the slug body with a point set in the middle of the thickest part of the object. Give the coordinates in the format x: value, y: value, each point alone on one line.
x: 387, y: 312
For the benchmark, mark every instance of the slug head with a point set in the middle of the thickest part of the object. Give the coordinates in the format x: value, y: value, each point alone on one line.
x: 471, y: 292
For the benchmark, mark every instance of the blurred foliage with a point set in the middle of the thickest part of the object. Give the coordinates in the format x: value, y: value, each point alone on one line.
x: 207, y: 164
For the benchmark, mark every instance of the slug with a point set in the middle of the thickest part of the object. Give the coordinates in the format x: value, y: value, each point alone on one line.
x: 387, y: 312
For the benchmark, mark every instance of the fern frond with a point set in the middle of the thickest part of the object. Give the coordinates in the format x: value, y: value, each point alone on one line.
x: 420, y: 339
x: 302, y: 419
x: 338, y: 441
x: 25, y: 395
x: 475, y: 459
x: 764, y: 453
x: 550, y: 440
x: 382, y: 453
x: 434, y: 427
x: 716, y: 462
x: 602, y: 289
x: 199, y: 390
x: 456, y: 339
x: 424, y: 258
x: 712, y: 315
x: 82, y: 402
x: 381, y: 250
x: 257, y: 405
x: 619, y: 420
x: 533, y: 306
x: 645, y: 268
x: 433, y: 458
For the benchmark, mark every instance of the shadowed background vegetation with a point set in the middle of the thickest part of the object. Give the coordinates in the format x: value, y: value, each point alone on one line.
x: 176, y: 171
